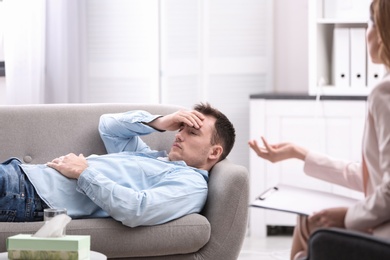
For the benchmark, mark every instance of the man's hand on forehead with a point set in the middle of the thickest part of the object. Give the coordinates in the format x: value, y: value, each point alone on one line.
x: 193, y: 119
x: 176, y: 120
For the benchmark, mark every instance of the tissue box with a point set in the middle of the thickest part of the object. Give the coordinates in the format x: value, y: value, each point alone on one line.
x: 67, y: 247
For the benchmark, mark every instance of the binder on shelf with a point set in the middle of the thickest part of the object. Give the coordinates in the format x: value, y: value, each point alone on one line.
x: 341, y: 57
x: 358, y: 56
x: 300, y: 201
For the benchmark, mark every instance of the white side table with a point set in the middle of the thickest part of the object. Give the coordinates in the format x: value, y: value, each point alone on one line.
x: 94, y: 255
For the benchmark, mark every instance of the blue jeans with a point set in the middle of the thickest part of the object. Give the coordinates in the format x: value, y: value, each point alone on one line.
x: 19, y: 201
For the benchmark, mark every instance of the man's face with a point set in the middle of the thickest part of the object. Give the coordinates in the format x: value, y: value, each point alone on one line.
x: 193, y: 145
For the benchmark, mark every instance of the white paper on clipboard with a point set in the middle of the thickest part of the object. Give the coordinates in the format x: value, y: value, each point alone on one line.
x: 299, y: 200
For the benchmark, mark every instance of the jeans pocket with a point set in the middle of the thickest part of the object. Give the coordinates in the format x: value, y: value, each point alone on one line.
x: 7, y: 215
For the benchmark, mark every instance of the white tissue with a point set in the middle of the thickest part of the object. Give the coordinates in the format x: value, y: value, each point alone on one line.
x: 54, y: 227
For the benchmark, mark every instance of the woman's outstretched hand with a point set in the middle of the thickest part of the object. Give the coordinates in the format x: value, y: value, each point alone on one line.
x: 277, y: 152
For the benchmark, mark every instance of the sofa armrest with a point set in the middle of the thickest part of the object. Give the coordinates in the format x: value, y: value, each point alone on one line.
x: 227, y: 210
x: 335, y: 243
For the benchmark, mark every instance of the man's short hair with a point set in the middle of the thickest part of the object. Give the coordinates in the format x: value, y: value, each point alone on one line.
x: 224, y: 132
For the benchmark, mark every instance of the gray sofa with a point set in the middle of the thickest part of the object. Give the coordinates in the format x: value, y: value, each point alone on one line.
x: 39, y: 133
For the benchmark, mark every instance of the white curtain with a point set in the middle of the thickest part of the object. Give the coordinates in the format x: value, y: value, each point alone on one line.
x: 64, y: 58
x: 42, y: 51
x: 24, y: 50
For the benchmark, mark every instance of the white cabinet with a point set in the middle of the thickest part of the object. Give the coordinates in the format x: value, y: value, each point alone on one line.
x: 338, y: 60
x: 333, y: 127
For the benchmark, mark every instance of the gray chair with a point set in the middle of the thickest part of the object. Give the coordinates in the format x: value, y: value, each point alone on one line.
x: 39, y: 133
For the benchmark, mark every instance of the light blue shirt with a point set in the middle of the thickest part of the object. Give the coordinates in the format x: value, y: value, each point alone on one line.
x: 132, y: 183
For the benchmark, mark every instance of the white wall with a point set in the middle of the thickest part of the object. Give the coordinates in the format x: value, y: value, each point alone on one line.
x: 291, y: 46
x: 2, y: 91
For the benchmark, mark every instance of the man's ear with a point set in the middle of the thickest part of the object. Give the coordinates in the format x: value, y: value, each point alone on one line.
x: 216, y: 152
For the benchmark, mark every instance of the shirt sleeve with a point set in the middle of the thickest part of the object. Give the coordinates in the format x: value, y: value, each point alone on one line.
x: 344, y: 173
x: 178, y: 195
x: 374, y: 210
x: 120, y: 132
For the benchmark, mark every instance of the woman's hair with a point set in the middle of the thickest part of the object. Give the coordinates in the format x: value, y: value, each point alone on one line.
x: 224, y: 133
x: 380, y: 16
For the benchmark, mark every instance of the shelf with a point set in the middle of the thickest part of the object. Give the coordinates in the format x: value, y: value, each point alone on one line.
x: 340, y: 91
x: 348, y: 18
x: 340, y: 21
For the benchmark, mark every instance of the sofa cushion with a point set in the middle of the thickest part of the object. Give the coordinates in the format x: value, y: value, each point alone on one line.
x: 181, y: 236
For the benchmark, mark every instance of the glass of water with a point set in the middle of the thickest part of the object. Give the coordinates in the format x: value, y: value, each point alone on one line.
x: 48, y: 214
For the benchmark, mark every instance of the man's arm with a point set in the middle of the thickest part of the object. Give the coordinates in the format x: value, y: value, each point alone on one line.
x: 120, y: 132
x: 180, y: 194
x: 174, y: 121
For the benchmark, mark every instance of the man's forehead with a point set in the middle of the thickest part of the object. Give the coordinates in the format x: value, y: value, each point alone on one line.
x: 208, y: 123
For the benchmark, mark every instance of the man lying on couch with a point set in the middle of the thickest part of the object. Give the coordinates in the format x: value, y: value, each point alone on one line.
x: 132, y: 183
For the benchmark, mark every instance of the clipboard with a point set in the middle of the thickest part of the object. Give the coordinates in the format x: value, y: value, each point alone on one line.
x: 300, y: 201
